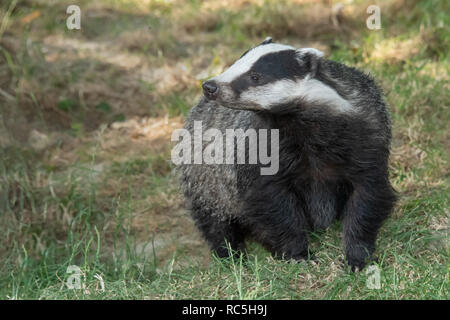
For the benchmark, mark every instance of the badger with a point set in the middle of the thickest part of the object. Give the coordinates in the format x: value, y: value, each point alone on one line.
x: 334, y: 137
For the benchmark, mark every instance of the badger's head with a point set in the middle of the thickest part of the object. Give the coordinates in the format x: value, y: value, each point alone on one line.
x: 270, y: 75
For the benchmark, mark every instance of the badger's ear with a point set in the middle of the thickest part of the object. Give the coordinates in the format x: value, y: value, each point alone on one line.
x: 309, y: 58
x: 266, y: 41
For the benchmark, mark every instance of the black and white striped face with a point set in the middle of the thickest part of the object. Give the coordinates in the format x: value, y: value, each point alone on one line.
x: 268, y: 75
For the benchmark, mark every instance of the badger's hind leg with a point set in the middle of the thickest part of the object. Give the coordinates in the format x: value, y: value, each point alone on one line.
x: 276, y: 219
x: 324, y: 202
x: 368, y: 206
x: 221, y: 235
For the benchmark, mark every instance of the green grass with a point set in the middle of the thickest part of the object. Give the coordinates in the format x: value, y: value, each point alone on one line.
x: 85, y: 123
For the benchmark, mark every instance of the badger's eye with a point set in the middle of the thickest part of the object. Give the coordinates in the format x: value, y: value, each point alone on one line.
x: 255, y: 77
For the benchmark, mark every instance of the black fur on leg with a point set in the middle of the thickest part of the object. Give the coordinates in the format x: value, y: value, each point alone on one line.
x: 321, y: 203
x: 367, y: 208
x: 277, y: 223
x: 221, y: 235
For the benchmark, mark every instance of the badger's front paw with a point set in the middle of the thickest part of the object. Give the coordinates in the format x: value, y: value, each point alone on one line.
x: 295, y: 255
x: 358, y: 257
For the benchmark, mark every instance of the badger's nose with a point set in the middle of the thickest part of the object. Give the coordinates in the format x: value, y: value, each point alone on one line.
x: 210, y: 89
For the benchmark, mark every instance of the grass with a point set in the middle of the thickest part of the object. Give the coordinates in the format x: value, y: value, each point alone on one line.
x: 85, y: 124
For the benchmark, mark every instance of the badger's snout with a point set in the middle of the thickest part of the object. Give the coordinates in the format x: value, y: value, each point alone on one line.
x: 210, y: 89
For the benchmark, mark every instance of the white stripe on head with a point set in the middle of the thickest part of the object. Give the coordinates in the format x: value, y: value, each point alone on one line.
x: 244, y: 64
x: 285, y: 91
x: 315, y: 91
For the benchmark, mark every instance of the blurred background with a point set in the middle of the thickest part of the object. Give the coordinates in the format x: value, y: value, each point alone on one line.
x: 85, y: 123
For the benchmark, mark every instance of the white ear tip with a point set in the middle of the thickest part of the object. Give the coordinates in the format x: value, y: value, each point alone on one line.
x: 313, y: 51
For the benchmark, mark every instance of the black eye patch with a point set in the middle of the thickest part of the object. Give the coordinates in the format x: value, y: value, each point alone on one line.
x: 270, y: 68
x: 278, y: 65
